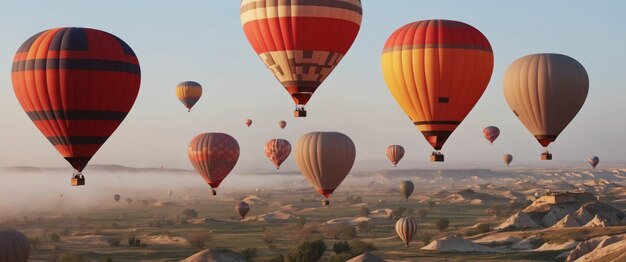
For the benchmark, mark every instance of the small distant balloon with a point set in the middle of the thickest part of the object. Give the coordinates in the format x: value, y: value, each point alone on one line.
x: 169, y: 193
x: 507, y: 159
x: 189, y: 92
x: 282, y: 124
x: 406, y: 228
x: 406, y: 188
x: 116, y: 197
x: 248, y: 122
x: 242, y: 209
x: 491, y: 133
x: 593, y: 161
x: 395, y: 153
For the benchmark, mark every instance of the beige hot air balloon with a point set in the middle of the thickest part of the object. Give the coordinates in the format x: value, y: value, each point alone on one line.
x: 14, y: 246
x: 325, y: 159
x: 406, y: 228
x: 508, y: 158
x: 546, y: 91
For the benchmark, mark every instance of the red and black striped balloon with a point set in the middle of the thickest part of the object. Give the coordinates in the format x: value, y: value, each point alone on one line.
x: 77, y: 85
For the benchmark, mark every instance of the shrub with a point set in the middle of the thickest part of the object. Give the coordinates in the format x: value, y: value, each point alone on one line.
x: 359, y: 247
x: 114, y: 242
x: 364, y: 226
x: 307, y: 251
x: 339, y: 231
x: 341, y: 247
x: 425, y: 237
x: 442, y: 224
x: 431, y: 205
x: 268, y: 238
x: 55, y: 237
x: 34, y: 242
x: 198, y: 240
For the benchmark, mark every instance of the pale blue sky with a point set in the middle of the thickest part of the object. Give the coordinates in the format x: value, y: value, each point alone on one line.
x: 203, y: 41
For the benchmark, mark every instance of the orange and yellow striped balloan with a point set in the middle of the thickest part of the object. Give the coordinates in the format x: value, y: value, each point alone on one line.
x: 437, y: 70
x: 189, y: 92
x: 77, y: 85
x: 302, y: 41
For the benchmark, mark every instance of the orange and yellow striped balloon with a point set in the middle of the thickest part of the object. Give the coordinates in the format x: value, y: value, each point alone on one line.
x: 437, y: 70
x: 189, y: 92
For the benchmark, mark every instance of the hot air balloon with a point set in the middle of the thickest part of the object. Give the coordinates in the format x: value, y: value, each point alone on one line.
x: 242, y: 209
x: 189, y: 92
x: 116, y: 197
x: 213, y: 155
x: 248, y: 122
x: 395, y: 153
x: 14, y: 246
x: 325, y: 159
x: 282, y: 124
x: 437, y: 70
x: 301, y: 42
x: 507, y: 159
x: 77, y: 85
x: 277, y: 150
x: 406, y: 228
x: 258, y: 190
x: 491, y: 133
x: 546, y: 91
x: 406, y: 188
x: 593, y: 161
x: 169, y: 193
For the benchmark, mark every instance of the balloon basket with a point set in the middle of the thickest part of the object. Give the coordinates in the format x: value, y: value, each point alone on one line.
x: 78, y: 180
x: 214, y: 192
x: 436, y: 158
x: 546, y: 156
x: 299, y: 113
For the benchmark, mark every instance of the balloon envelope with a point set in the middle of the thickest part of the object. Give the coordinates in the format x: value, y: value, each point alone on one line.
x: 282, y: 124
x: 593, y: 161
x: 325, y: 159
x: 277, y: 150
x: 77, y: 85
x: 248, y: 122
x: 14, y: 246
x: 546, y: 91
x: 301, y: 42
x: 491, y: 133
x: 242, y: 209
x: 507, y: 158
x: 116, y: 197
x: 189, y: 92
x: 395, y: 153
x: 437, y: 70
x: 213, y: 155
x: 406, y: 228
x: 406, y: 188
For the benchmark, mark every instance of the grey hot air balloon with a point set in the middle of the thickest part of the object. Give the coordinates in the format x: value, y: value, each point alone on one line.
x: 546, y: 91
x: 406, y: 228
x: 242, y: 209
x: 593, y: 161
x: 508, y: 158
x: 406, y: 188
x: 14, y: 246
x: 325, y: 159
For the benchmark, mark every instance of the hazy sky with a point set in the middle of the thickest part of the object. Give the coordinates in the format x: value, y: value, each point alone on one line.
x: 203, y: 41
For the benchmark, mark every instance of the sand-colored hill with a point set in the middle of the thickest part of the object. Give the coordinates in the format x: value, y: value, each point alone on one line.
x: 456, y: 244
x: 567, y: 221
x: 469, y: 196
x: 215, y: 255
x: 366, y: 257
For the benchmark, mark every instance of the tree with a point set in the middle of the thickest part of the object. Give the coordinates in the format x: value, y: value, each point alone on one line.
x: 190, y: 213
x: 364, y: 226
x: 442, y: 224
x: 431, y: 205
x: 198, y: 240
x: 359, y: 247
x: 249, y: 253
x: 339, y: 231
x: 341, y: 247
x: 422, y: 213
x: 268, y: 238
x: 364, y: 211
x: 307, y: 251
x: 425, y: 237
x: 55, y: 237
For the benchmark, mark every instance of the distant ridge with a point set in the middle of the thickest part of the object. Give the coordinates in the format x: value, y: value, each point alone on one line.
x: 106, y: 168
